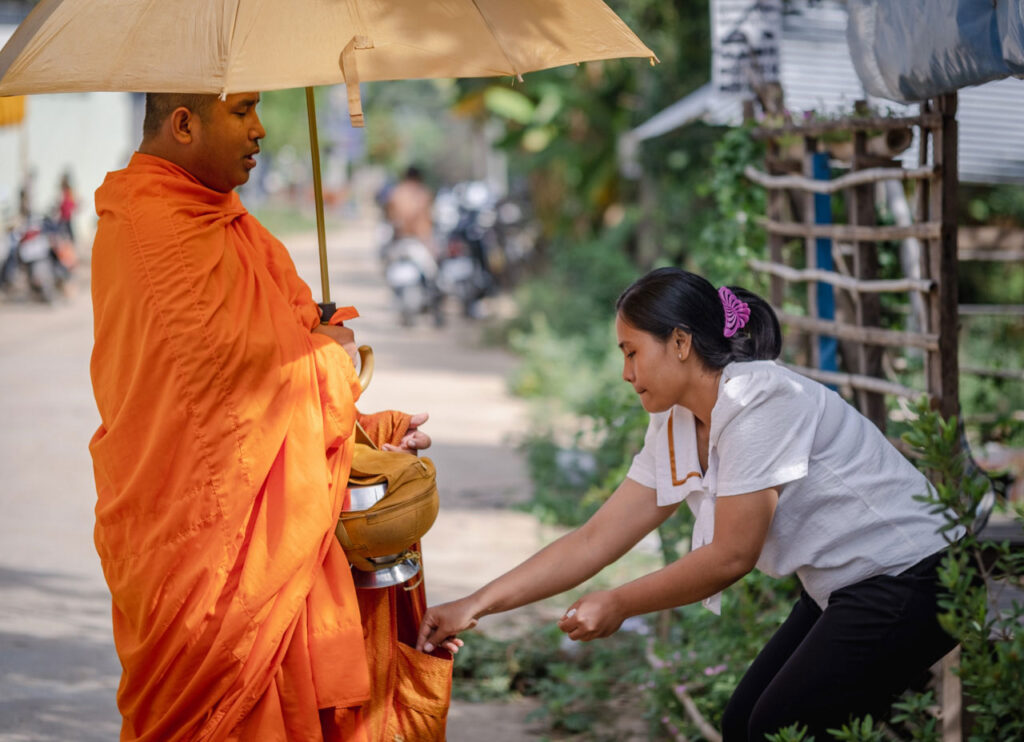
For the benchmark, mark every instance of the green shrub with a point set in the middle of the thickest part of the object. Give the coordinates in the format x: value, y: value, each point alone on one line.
x: 992, y: 641
x: 574, y: 681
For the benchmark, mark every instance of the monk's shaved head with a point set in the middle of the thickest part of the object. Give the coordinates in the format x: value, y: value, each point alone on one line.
x: 214, y: 139
x: 161, y: 105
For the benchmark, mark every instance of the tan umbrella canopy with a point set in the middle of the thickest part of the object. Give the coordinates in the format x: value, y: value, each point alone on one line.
x: 232, y: 46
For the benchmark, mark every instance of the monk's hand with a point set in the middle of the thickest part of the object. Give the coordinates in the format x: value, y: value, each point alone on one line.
x: 343, y: 336
x: 414, y: 439
x: 441, y: 623
x: 594, y: 616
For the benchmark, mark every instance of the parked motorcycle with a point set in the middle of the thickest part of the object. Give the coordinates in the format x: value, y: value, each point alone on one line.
x: 488, y: 241
x: 411, y: 273
x: 41, y: 252
x: 465, y: 218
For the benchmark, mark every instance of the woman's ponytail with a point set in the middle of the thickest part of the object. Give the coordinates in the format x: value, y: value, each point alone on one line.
x: 761, y: 337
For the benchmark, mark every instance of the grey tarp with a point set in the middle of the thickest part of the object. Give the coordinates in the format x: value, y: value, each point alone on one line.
x: 910, y: 50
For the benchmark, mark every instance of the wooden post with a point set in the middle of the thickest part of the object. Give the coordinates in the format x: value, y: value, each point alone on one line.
x: 922, y: 198
x: 868, y: 305
x: 943, y: 374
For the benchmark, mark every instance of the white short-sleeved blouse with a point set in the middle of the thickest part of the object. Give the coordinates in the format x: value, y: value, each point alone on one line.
x: 846, y: 507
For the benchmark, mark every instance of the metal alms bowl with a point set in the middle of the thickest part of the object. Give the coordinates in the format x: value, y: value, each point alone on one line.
x: 377, y: 535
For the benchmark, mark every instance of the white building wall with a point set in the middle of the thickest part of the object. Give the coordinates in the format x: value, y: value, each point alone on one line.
x: 85, y: 134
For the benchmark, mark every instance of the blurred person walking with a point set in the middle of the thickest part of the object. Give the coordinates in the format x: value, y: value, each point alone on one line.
x: 66, y: 207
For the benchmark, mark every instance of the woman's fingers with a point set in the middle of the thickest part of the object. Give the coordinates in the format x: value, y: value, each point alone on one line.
x: 441, y: 624
x: 427, y: 627
x: 453, y: 644
x: 584, y: 621
x: 568, y: 622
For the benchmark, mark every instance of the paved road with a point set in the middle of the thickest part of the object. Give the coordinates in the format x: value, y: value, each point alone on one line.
x: 58, y: 669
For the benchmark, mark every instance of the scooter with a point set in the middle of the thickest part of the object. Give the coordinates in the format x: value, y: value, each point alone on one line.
x: 36, y: 250
x: 466, y: 216
x: 411, y: 273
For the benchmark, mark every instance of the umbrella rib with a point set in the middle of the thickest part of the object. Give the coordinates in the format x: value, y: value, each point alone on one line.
x: 25, y: 33
x: 497, y: 40
x: 231, y: 50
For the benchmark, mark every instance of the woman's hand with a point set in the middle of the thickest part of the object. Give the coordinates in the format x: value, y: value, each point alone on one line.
x: 343, y: 336
x: 452, y: 645
x: 415, y: 439
x: 594, y: 616
x: 442, y: 622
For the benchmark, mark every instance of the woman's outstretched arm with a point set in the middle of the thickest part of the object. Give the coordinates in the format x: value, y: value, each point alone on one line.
x: 628, y: 515
x: 741, y: 526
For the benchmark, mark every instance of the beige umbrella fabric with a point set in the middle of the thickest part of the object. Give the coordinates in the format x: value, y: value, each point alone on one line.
x: 233, y: 46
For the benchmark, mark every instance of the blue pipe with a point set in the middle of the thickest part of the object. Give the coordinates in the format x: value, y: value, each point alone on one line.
x: 827, y: 346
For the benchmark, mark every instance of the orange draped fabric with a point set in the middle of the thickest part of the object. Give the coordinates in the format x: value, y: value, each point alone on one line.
x: 220, y: 465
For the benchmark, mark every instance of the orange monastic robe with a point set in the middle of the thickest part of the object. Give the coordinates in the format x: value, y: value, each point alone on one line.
x: 220, y: 463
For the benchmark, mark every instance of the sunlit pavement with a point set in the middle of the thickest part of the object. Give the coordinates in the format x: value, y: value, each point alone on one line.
x: 58, y: 669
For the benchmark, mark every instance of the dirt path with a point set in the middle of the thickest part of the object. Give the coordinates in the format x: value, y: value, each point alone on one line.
x: 58, y: 669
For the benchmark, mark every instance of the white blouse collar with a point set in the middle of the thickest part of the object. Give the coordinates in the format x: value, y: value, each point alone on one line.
x: 678, y: 473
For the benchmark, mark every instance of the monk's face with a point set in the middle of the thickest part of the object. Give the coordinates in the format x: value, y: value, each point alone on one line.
x: 226, y: 141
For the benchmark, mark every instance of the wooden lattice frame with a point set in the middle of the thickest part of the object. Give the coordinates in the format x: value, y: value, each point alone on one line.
x: 935, y: 227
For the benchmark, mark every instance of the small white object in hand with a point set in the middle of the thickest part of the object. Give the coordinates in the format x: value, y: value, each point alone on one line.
x: 571, y: 613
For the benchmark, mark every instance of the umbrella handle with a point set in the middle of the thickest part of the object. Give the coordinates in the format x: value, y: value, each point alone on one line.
x: 365, y: 366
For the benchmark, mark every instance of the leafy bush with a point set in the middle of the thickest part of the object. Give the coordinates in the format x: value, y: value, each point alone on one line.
x: 487, y: 668
x: 991, y: 666
x: 575, y: 682
x: 992, y: 640
x: 733, y: 236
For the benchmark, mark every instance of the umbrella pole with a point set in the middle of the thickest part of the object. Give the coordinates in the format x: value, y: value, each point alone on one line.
x: 326, y: 306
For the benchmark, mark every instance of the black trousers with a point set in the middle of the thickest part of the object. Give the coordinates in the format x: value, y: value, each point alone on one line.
x: 821, y: 668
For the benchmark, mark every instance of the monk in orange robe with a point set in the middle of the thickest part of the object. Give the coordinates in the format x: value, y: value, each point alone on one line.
x: 227, y: 415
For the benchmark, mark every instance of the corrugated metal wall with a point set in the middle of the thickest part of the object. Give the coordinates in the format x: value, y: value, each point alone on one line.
x: 817, y: 74
x: 991, y: 119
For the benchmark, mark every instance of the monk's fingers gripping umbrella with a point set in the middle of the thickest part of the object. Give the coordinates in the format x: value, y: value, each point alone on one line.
x: 233, y: 46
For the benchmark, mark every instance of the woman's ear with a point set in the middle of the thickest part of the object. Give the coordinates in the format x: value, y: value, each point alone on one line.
x: 682, y: 343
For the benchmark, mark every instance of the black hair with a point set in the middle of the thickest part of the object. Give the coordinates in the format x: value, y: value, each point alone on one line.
x: 161, y: 105
x: 668, y: 298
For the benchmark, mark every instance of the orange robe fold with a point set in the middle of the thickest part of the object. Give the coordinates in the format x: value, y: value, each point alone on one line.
x: 220, y: 464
